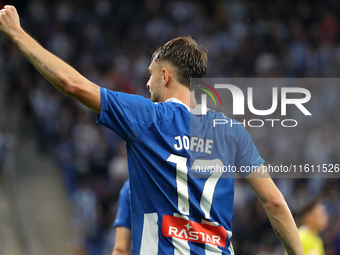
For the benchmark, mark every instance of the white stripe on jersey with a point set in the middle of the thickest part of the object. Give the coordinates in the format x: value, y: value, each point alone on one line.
x: 209, y: 248
x: 230, y: 247
x: 149, y: 244
x: 181, y: 246
x: 212, y: 249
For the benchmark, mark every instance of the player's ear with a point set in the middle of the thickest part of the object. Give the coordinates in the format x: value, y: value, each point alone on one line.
x: 165, y: 77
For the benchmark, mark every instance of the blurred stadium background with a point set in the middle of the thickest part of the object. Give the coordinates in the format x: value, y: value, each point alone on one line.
x: 61, y: 173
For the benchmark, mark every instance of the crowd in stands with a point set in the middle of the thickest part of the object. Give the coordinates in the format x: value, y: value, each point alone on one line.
x: 111, y: 42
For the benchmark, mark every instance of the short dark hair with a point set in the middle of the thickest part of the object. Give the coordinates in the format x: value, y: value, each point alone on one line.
x: 309, y: 206
x: 186, y: 55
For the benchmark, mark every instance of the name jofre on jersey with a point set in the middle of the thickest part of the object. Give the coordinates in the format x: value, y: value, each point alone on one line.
x: 192, y: 231
x: 193, y: 144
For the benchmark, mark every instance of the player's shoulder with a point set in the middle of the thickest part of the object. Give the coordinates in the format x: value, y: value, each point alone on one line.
x: 310, y: 241
x: 120, y: 100
x: 125, y: 190
x: 126, y: 185
x: 222, y: 123
x: 303, y: 231
x: 172, y: 109
x: 306, y: 234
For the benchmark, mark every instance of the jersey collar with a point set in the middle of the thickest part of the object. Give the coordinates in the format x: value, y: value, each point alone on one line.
x: 175, y: 100
x: 196, y: 111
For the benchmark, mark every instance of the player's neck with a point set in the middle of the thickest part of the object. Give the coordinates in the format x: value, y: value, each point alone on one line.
x: 182, y: 94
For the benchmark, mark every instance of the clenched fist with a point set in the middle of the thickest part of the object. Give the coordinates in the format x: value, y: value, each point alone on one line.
x: 9, y: 21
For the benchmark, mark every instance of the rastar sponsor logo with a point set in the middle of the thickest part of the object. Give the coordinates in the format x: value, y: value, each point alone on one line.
x: 192, y: 231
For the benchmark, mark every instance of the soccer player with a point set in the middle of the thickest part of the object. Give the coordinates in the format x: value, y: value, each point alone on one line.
x: 314, y: 220
x: 123, y: 223
x: 171, y: 211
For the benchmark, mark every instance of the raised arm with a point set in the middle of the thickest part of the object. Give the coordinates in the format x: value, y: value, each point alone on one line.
x: 277, y: 210
x: 61, y: 75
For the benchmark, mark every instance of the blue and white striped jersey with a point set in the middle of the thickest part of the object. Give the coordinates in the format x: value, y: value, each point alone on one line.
x: 176, y: 206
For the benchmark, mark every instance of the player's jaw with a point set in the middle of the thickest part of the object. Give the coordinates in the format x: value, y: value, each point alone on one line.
x: 154, y: 83
x: 155, y: 98
x: 155, y: 95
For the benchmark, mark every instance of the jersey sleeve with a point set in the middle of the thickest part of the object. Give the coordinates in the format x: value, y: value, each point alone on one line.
x: 123, y: 217
x: 247, y: 157
x: 125, y: 114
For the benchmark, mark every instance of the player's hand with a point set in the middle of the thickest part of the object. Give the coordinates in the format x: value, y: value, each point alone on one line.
x: 9, y: 21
